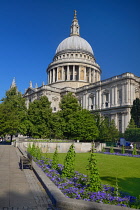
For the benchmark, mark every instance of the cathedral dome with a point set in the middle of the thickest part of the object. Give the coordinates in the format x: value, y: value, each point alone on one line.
x: 74, y: 43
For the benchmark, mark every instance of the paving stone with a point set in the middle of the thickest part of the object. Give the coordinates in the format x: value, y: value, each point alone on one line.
x: 19, y: 190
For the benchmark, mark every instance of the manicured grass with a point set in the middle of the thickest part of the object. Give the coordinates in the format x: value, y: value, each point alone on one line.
x: 126, y: 169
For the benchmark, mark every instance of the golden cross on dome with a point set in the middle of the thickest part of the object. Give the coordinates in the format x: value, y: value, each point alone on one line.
x: 75, y: 13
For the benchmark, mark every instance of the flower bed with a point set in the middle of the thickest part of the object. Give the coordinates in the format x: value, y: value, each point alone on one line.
x: 76, y: 187
x: 120, y: 154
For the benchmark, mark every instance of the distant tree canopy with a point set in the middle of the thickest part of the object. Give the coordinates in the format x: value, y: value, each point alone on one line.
x: 107, y: 129
x: 71, y: 122
x: 39, y: 118
x: 12, y: 113
x: 132, y: 133
x: 78, y: 123
x: 135, y: 112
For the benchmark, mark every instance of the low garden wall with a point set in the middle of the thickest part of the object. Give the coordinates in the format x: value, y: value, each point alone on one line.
x: 80, y: 147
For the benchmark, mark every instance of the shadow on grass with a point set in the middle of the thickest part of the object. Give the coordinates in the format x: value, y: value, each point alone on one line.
x: 130, y: 185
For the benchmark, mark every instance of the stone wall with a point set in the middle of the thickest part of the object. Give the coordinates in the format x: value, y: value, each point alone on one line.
x: 49, y: 147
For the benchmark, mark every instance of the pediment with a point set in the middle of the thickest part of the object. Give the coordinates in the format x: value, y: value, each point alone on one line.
x: 29, y: 91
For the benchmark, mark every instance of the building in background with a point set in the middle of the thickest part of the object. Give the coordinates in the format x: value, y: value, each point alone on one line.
x: 74, y: 69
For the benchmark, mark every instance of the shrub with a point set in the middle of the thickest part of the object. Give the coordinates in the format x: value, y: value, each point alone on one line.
x: 111, y: 150
x: 69, y: 162
x: 134, y: 150
x: 123, y: 150
x: 55, y: 159
x: 94, y: 183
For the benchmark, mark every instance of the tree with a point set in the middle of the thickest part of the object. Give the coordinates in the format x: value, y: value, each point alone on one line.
x: 131, y: 124
x: 69, y: 104
x: 39, y: 117
x: 69, y: 163
x: 107, y: 129
x: 132, y: 133
x: 78, y: 123
x: 13, y: 113
x: 135, y: 112
x: 57, y: 126
x: 94, y: 183
x: 83, y: 126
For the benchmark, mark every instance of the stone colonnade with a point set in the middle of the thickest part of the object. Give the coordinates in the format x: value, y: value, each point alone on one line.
x: 113, y: 96
x: 73, y: 73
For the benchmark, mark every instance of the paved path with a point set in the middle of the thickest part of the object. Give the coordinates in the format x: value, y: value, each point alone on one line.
x: 19, y: 190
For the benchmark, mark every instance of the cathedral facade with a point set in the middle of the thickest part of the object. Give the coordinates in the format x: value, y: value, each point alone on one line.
x: 74, y: 69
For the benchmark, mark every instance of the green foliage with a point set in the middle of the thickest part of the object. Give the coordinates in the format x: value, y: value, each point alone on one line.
x: 132, y: 134
x: 131, y: 124
x: 111, y: 150
x: 69, y: 163
x: 35, y: 151
x: 134, y: 150
x: 77, y: 123
x: 103, y: 149
x: 82, y: 126
x: 13, y: 113
x: 57, y: 126
x: 94, y: 184
x: 123, y: 150
x: 117, y: 187
x: 39, y: 117
x: 55, y: 159
x: 126, y: 168
x: 69, y: 104
x: 107, y: 129
x: 135, y: 112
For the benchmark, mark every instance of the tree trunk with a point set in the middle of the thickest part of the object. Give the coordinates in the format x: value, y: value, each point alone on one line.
x: 11, y: 138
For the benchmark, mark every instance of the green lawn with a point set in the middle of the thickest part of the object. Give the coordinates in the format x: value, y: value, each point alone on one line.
x: 126, y: 169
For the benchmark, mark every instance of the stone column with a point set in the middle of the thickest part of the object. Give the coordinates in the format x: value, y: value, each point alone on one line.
x: 68, y: 73
x: 109, y: 99
x: 123, y: 125
x: 84, y: 101
x: 53, y: 75
x: 57, y: 74
x: 115, y: 94
x: 94, y: 102
x: 84, y: 73
x: 89, y: 75
x: 116, y: 121
x: 48, y: 77
x: 73, y: 72
x: 78, y: 73
x: 63, y: 73
x: 126, y: 120
x: 99, y: 92
x: 132, y: 92
x: 112, y: 96
x: 97, y: 102
x: 93, y: 76
x: 123, y: 95
x: 102, y: 96
x: 126, y: 96
x: 129, y: 99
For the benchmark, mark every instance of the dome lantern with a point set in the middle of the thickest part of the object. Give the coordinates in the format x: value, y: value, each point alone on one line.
x: 75, y: 28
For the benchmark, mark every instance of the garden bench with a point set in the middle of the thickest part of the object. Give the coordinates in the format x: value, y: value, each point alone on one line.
x: 25, y: 159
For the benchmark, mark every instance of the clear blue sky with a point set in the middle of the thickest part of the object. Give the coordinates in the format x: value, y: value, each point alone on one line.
x: 31, y: 30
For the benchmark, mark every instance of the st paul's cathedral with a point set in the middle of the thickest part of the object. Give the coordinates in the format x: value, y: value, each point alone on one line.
x: 74, y: 69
